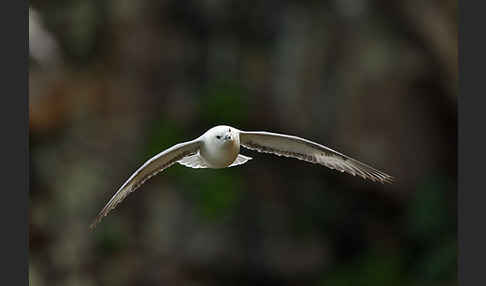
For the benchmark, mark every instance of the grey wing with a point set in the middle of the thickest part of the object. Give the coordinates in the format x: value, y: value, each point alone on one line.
x: 150, y: 168
x: 303, y: 149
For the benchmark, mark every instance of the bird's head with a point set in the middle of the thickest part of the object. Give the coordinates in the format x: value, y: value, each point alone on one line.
x: 222, y: 135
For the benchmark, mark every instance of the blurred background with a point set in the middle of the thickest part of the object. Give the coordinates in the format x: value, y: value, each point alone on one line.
x: 112, y: 83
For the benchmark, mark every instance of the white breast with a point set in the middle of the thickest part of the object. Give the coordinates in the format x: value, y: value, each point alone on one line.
x: 219, y: 155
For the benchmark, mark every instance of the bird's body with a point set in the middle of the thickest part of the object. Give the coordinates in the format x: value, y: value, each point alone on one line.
x: 219, y: 147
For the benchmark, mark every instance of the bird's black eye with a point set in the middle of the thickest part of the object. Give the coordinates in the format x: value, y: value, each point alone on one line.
x: 217, y: 136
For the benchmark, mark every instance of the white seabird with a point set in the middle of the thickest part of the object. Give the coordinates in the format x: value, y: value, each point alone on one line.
x: 219, y: 147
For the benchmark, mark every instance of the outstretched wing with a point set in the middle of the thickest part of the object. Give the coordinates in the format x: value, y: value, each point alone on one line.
x: 150, y: 168
x: 303, y: 149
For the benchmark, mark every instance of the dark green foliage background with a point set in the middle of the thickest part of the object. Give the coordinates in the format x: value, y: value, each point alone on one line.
x: 114, y: 82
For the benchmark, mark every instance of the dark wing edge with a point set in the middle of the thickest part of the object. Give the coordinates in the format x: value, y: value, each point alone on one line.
x: 306, y: 150
x: 150, y: 168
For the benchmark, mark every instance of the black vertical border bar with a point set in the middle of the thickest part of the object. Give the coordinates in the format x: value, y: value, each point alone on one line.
x: 472, y: 144
x: 14, y: 138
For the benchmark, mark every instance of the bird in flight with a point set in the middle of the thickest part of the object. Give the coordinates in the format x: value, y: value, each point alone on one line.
x: 219, y: 147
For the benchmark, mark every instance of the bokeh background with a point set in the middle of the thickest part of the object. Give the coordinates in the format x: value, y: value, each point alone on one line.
x: 114, y: 82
